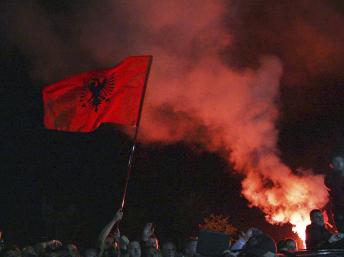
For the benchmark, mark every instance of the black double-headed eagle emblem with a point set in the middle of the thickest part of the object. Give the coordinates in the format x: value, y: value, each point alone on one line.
x: 96, y: 91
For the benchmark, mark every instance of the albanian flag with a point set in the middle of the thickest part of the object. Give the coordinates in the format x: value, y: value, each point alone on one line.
x: 82, y: 102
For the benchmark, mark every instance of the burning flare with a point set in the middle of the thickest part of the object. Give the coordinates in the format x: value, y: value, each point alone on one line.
x: 240, y: 113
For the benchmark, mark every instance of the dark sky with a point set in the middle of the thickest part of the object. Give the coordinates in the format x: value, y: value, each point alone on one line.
x: 174, y: 185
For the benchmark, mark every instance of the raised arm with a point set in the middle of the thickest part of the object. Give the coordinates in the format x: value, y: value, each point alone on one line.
x: 148, y: 236
x: 107, y: 229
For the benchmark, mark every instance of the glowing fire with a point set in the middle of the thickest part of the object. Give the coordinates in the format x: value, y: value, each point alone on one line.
x: 299, y: 220
x: 283, y: 196
x: 300, y: 230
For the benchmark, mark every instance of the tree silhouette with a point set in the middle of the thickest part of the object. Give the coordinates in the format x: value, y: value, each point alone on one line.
x: 218, y: 223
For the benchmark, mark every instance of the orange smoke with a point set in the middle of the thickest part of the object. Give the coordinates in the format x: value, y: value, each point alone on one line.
x: 199, y: 99
x: 239, y: 112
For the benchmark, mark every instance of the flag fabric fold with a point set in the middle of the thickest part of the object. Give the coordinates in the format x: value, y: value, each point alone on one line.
x: 83, y: 102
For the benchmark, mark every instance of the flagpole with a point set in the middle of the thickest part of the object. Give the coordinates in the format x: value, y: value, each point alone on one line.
x: 132, y: 152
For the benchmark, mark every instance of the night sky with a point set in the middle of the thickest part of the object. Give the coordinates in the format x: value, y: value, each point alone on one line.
x: 176, y: 183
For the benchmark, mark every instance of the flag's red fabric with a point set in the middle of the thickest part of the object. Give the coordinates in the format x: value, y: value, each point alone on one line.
x: 82, y: 102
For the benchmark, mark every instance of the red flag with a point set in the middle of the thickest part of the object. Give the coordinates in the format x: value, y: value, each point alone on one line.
x: 82, y: 102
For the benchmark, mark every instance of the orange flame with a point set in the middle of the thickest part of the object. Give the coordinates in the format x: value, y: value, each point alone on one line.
x: 286, y: 197
x: 298, y: 220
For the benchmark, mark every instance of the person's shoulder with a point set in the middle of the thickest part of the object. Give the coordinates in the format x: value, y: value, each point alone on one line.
x: 314, y: 228
x: 311, y: 227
